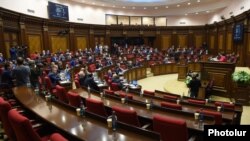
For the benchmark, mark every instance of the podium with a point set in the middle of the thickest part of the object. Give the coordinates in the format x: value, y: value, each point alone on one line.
x: 202, y: 89
x: 221, y: 73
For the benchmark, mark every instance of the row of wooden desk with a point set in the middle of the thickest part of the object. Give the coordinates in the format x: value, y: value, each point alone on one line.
x: 65, y: 119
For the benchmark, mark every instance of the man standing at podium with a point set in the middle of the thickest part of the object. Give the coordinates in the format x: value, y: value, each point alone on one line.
x: 194, y: 85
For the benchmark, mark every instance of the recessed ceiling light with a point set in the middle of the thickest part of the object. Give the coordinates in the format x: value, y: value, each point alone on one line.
x: 207, y: 11
x: 133, y: 7
x: 156, y: 7
x: 186, y: 14
x: 166, y: 6
x: 178, y: 5
x: 198, y: 1
x: 113, y: 5
x: 103, y: 4
x: 144, y: 8
x: 124, y: 7
x: 93, y: 3
x: 196, y: 13
x: 189, y: 3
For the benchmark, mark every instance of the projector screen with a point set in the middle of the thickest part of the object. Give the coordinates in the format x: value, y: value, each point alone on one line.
x: 238, y: 32
x: 58, y: 11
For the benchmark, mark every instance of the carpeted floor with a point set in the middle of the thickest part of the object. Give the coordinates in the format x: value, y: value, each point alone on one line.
x: 169, y: 83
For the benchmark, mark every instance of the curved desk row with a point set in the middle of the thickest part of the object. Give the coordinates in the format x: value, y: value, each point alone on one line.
x: 148, y: 114
x: 66, y: 120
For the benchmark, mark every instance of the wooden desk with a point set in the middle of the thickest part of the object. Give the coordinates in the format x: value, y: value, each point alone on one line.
x: 61, y: 117
x: 143, y: 112
x: 221, y: 73
x: 228, y: 116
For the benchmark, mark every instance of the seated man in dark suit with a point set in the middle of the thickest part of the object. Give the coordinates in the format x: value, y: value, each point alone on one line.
x: 115, y: 79
x: 6, y: 78
x: 54, y: 76
x: 194, y: 85
x: 82, y: 76
x: 89, y: 82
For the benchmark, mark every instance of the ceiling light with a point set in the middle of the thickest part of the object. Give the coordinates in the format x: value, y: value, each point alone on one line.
x: 93, y: 3
x: 124, y: 7
x: 189, y: 3
x: 156, y: 7
x: 186, y: 14
x: 133, y: 7
x: 196, y: 13
x: 178, y: 5
x: 207, y: 11
x: 103, y: 4
x: 198, y: 1
x: 166, y: 6
x: 144, y: 8
x: 113, y: 5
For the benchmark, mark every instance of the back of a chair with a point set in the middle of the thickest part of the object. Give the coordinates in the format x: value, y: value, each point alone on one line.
x: 170, y: 129
x: 48, y: 83
x: 61, y: 93
x: 172, y: 97
x: 5, y: 107
x: 201, y: 102
x: 217, y: 115
x: 57, y: 137
x: 129, y: 96
x: 74, y: 99
x: 171, y: 105
x: 225, y: 104
x: 109, y: 92
x: 115, y: 87
x: 22, y: 127
x: 96, y: 107
x: 146, y: 92
x: 126, y: 116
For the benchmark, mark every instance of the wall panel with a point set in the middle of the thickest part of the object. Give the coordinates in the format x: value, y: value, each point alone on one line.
x: 59, y: 43
x: 81, y: 42
x: 229, y: 42
x: 165, y: 42
x: 220, y: 42
x: 212, y: 41
x: 34, y: 42
x: 198, y: 41
x: 182, y: 41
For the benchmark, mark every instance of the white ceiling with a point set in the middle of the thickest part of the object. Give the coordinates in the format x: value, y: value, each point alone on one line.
x: 162, y: 7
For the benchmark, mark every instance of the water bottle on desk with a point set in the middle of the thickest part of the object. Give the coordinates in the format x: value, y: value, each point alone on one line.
x: 82, y: 111
x: 201, y: 117
x: 151, y: 104
x: 114, y: 118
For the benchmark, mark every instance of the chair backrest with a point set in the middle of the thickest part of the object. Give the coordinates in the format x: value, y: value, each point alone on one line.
x: 77, y: 83
x: 115, y: 87
x: 201, y: 102
x: 57, y: 137
x: 170, y: 129
x: 74, y: 99
x: 22, y: 127
x: 109, y: 92
x: 61, y: 93
x: 171, y: 105
x: 48, y: 83
x: 225, y: 104
x: 170, y: 97
x: 217, y: 115
x: 146, y: 92
x: 126, y: 116
x: 96, y: 107
x: 129, y: 96
x: 5, y: 107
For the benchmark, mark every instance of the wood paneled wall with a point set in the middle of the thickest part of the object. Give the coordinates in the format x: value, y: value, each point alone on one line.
x: 42, y: 34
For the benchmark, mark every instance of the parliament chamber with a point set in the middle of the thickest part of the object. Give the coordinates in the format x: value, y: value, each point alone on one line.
x: 72, y: 70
